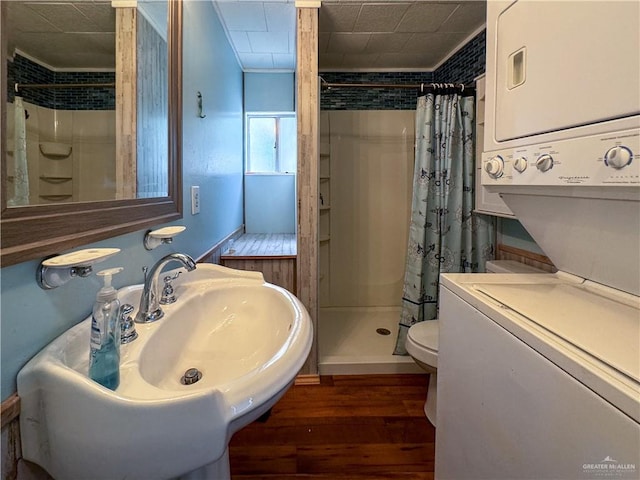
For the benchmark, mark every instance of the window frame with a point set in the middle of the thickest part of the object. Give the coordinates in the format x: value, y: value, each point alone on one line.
x: 247, y: 160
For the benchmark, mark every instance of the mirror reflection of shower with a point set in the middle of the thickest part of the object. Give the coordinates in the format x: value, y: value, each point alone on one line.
x: 69, y: 153
x: 61, y: 64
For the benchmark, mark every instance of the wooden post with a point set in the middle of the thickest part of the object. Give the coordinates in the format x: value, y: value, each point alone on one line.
x: 307, y: 176
x: 126, y: 101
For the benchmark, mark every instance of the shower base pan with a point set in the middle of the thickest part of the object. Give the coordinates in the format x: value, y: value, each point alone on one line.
x: 353, y: 341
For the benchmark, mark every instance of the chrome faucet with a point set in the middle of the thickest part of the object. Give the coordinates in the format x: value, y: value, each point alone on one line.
x: 150, y: 310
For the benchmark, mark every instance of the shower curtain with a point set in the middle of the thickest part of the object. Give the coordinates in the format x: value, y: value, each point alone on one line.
x: 21, y: 175
x: 444, y: 234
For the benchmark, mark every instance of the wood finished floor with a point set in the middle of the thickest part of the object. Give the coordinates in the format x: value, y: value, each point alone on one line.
x: 354, y: 427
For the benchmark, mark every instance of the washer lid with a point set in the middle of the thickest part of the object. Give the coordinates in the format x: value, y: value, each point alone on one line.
x: 426, y: 334
x: 510, y: 266
x: 588, y: 317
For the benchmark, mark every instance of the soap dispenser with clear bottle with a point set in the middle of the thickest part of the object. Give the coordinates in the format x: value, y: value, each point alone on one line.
x: 104, y: 360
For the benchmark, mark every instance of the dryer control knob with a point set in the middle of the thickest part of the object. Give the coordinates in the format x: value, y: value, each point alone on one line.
x: 494, y: 166
x: 544, y: 163
x: 618, y: 157
x: 520, y: 164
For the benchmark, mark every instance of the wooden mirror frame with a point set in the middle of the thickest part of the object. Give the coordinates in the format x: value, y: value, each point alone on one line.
x: 36, y: 231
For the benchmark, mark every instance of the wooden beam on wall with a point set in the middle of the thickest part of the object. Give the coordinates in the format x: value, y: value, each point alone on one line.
x: 307, y: 109
x: 126, y: 101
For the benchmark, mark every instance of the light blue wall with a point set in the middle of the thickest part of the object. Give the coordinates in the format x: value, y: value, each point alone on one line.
x: 212, y: 159
x: 513, y: 234
x: 269, y: 203
x: 269, y: 200
x: 269, y: 92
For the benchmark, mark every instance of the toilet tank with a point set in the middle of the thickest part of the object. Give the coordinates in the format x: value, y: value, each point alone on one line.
x: 510, y: 266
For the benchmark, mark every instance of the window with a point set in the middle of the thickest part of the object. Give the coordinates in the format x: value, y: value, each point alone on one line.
x: 271, y: 143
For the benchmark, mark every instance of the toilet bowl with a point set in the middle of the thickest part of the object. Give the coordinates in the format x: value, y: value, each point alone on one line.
x: 422, y: 345
x: 422, y: 338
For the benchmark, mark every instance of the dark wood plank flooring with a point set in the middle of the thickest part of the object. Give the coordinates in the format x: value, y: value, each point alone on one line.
x: 347, y: 428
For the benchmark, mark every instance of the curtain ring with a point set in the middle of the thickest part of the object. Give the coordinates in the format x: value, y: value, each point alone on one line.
x: 16, y: 87
x: 462, y: 87
x: 422, y: 88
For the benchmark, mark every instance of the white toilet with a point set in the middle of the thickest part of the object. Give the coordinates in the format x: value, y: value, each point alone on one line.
x: 422, y: 338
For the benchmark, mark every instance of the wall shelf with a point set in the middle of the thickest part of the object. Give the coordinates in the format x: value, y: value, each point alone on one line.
x: 55, y: 198
x: 55, y: 179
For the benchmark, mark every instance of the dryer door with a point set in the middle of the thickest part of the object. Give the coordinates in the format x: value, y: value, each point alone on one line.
x: 564, y: 64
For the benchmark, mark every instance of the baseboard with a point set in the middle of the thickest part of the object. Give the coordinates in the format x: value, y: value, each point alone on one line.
x: 307, y: 380
x: 506, y: 252
x: 10, y: 409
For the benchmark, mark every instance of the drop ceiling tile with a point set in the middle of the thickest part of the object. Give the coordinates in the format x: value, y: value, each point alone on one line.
x: 330, y: 61
x: 425, y: 17
x: 359, y: 61
x: 100, y: 42
x: 64, y: 16
x: 284, y: 61
x: 467, y: 18
x: 101, y: 14
x: 269, y: 42
x: 380, y: 18
x: 22, y: 18
x: 323, y: 42
x: 256, y: 60
x: 240, y: 41
x: 280, y: 16
x: 82, y: 61
x: 338, y: 18
x: 70, y: 50
x: 348, y: 42
x: 403, y: 61
x: 248, y: 16
x: 292, y: 41
x: 441, y: 43
x: 387, y: 42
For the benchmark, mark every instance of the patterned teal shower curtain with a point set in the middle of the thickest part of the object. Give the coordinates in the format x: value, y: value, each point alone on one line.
x: 444, y: 234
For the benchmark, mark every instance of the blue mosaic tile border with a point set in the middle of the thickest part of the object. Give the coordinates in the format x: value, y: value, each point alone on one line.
x: 371, y: 98
x: 23, y: 70
x: 465, y: 65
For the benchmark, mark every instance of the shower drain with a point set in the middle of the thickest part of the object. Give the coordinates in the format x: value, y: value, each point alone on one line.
x: 383, y: 331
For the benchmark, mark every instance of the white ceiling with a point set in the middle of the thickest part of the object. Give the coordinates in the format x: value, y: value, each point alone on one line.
x: 64, y: 35
x: 396, y: 35
x: 354, y: 35
x: 372, y: 35
x: 263, y: 34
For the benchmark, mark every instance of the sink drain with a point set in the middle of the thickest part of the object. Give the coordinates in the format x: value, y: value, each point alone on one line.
x: 191, y: 376
x: 383, y: 331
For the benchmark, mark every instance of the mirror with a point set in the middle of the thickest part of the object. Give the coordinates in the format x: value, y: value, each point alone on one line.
x: 138, y: 191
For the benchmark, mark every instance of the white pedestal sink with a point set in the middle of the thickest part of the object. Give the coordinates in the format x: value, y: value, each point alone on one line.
x: 248, y: 338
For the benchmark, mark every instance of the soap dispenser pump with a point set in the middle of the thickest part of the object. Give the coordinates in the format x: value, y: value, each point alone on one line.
x: 104, y: 360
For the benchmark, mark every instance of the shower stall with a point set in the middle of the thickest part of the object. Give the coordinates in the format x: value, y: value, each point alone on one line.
x: 366, y: 169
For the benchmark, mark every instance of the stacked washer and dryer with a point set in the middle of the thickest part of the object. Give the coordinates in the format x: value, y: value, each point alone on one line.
x: 539, y: 375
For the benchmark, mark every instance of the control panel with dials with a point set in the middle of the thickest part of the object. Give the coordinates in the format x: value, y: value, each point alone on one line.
x: 598, y: 160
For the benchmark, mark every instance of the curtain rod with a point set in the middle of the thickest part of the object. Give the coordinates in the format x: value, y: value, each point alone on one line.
x: 63, y: 85
x: 422, y: 87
